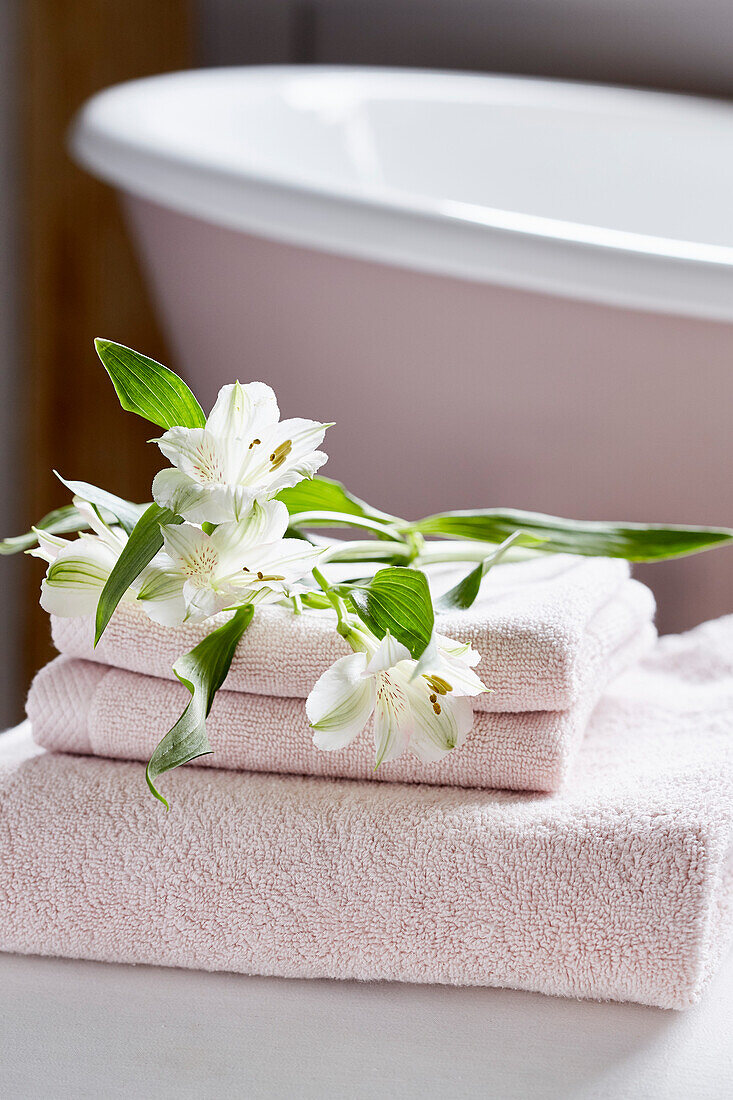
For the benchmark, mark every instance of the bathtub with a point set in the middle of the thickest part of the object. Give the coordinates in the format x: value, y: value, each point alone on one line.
x: 504, y: 291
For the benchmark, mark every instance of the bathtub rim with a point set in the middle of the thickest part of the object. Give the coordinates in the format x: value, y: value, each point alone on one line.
x: 459, y: 240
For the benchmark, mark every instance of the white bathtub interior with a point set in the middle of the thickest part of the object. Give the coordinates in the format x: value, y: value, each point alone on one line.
x: 603, y: 157
x: 603, y: 194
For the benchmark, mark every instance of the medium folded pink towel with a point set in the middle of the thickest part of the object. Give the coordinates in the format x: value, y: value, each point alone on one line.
x: 621, y: 887
x: 535, y: 624
x: 85, y: 707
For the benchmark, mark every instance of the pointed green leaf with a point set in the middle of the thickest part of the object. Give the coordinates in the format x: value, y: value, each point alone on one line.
x: 463, y: 594
x: 202, y: 671
x: 123, y: 510
x: 145, y: 540
x: 397, y: 600
x: 321, y: 494
x: 633, y: 541
x: 148, y: 388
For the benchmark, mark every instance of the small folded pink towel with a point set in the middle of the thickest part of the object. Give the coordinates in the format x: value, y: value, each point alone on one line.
x: 536, y: 624
x: 85, y: 707
x: 621, y: 887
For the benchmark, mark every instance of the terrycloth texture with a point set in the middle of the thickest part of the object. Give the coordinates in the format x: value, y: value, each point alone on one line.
x: 620, y: 888
x: 533, y: 623
x: 84, y: 707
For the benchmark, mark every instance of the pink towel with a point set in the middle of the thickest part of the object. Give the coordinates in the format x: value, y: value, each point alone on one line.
x: 84, y: 707
x: 535, y: 623
x: 621, y: 887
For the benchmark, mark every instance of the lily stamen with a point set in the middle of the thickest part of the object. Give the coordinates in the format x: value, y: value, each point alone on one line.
x: 438, y: 684
x: 278, y: 456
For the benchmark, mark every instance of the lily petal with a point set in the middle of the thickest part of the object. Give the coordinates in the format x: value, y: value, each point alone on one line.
x: 97, y: 524
x: 453, y: 662
x: 244, y: 412
x: 264, y: 523
x: 161, y: 597
x: 434, y: 735
x: 389, y: 652
x: 393, y: 721
x: 462, y: 679
x: 75, y: 579
x: 340, y: 703
x: 49, y: 546
x: 429, y: 658
x: 190, y: 548
x: 293, y: 443
x: 175, y: 490
x: 202, y: 601
x: 292, y: 473
x: 462, y: 650
x: 196, y: 452
x: 290, y: 558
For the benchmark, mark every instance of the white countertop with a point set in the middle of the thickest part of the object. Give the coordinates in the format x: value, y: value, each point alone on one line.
x: 83, y: 1029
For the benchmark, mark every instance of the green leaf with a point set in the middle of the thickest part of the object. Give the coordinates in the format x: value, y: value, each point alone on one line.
x: 123, y: 510
x: 321, y: 494
x: 397, y: 600
x: 463, y: 594
x: 61, y: 521
x: 145, y: 540
x: 633, y: 541
x: 202, y: 671
x: 148, y: 388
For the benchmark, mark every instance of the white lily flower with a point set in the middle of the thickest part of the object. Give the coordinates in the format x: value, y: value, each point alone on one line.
x: 429, y: 713
x: 193, y: 577
x: 78, y: 569
x: 198, y: 573
x: 245, y: 453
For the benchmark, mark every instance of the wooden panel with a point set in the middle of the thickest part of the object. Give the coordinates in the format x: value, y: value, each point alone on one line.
x: 80, y: 277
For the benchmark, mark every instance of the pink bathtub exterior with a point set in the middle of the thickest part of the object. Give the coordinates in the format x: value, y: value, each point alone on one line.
x: 454, y: 394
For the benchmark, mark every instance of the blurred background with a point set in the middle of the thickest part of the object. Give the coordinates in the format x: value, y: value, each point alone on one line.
x: 67, y: 268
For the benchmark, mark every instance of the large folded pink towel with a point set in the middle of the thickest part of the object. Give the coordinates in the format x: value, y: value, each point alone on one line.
x: 85, y: 707
x: 621, y: 887
x: 536, y: 624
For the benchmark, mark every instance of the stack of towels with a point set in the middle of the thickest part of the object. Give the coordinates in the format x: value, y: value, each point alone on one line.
x: 579, y: 843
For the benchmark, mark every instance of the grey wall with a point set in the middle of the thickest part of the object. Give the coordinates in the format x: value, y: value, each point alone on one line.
x: 656, y: 43
x: 11, y: 569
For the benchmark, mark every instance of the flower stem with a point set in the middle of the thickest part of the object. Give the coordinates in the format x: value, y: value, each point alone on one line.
x: 368, y: 550
x: 436, y: 552
x: 431, y: 553
x: 336, y: 602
